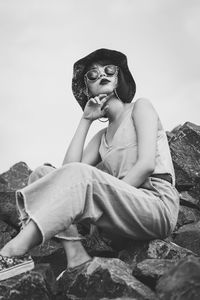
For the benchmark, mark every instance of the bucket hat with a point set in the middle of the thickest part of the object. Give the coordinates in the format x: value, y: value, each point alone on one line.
x: 126, y: 84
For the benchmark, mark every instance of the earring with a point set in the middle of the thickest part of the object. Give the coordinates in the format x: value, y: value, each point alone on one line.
x: 116, y: 94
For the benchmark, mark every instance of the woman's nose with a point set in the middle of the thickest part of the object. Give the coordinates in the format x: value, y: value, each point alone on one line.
x: 102, y: 74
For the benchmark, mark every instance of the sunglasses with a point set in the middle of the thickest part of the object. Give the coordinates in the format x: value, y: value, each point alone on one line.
x: 94, y: 74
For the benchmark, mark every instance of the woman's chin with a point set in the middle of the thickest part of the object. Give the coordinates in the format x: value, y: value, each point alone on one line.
x: 105, y: 91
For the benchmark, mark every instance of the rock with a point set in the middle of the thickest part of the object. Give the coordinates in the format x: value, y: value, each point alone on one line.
x: 98, y: 245
x: 104, y: 278
x: 187, y: 215
x: 45, y: 249
x: 150, y: 270
x: 182, y: 282
x: 15, y: 178
x: 56, y: 257
x: 121, y: 298
x: 38, y: 284
x: 188, y: 200
x: 185, y: 151
x: 188, y: 236
x: 6, y: 233
x: 8, y: 210
x: 158, y: 249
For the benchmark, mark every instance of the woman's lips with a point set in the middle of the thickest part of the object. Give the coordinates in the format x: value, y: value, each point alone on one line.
x: 104, y: 81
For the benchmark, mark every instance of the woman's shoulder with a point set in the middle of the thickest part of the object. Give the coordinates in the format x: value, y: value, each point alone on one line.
x: 142, y: 103
x: 145, y: 105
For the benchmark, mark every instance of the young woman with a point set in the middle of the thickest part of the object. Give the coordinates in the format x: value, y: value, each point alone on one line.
x: 123, y: 181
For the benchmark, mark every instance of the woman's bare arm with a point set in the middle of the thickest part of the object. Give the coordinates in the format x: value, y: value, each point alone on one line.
x: 91, y: 153
x: 146, y: 123
x: 93, y: 110
x: 75, y: 150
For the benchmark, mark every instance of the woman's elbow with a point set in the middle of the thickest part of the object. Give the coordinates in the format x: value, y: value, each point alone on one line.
x: 150, y: 170
x: 149, y: 167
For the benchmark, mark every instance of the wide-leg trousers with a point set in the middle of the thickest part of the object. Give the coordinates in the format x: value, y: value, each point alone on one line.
x: 78, y: 192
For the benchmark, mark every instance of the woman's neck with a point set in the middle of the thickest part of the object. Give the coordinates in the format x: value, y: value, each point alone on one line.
x: 115, y: 110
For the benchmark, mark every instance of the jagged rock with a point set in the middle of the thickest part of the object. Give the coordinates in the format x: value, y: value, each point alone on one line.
x: 8, y: 210
x: 104, y: 278
x: 6, y: 233
x: 15, y: 178
x: 138, y: 251
x: 38, y: 284
x: 185, y: 151
x: 188, y: 200
x: 150, y: 270
x: 182, y: 282
x: 98, y: 245
x: 188, y: 236
x: 45, y: 249
x: 187, y: 215
x: 56, y: 257
x: 121, y: 298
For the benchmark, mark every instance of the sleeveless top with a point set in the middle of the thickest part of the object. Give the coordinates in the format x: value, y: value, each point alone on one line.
x: 121, y: 155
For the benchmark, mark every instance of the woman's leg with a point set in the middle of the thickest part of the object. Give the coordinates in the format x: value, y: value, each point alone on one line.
x: 74, y: 250
x: 30, y: 237
x: 26, y: 239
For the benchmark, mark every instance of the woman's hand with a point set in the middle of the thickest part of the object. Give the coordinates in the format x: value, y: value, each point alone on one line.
x: 95, y: 107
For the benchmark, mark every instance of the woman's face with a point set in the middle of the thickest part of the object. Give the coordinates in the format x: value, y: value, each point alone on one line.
x: 106, y: 81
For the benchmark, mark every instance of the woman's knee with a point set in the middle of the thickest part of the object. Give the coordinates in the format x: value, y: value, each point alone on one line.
x: 40, y: 172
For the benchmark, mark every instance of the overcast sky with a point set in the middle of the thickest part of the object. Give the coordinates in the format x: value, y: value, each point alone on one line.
x: 41, y: 39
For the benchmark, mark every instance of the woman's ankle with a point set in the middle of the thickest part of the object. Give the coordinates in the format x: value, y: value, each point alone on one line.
x: 76, y: 253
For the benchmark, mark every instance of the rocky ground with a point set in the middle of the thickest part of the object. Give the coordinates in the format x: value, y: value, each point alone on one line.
x: 158, y: 269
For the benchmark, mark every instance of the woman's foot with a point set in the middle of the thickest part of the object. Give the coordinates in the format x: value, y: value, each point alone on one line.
x: 12, y: 266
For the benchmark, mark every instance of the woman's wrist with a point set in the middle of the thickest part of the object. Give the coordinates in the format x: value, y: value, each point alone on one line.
x: 85, y: 119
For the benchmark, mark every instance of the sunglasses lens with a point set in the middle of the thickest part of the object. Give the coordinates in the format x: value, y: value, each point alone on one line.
x: 92, y: 74
x: 110, y: 70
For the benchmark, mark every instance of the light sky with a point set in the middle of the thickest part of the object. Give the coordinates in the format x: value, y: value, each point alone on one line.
x: 41, y: 39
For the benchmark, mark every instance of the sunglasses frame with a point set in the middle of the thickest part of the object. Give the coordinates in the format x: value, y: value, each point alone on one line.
x: 99, y: 73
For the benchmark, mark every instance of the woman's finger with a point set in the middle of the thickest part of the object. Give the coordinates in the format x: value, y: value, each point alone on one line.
x: 92, y: 100
x: 98, y: 101
x: 101, y: 96
x: 106, y: 108
x: 103, y: 101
